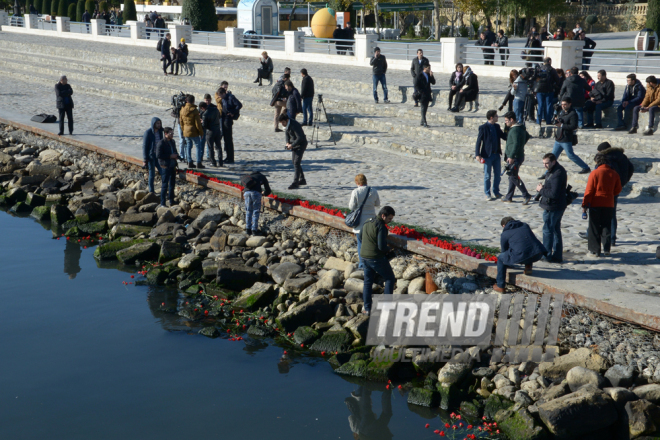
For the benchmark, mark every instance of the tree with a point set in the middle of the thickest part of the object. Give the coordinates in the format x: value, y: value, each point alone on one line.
x: 53, y: 7
x: 37, y: 5
x: 45, y: 7
x: 293, y: 11
x: 653, y: 15
x: 436, y: 18
x: 201, y: 14
x: 103, y: 7
x: 129, y: 11
x: 591, y: 20
x: 80, y: 10
x: 72, y: 12
x: 62, y: 8
x: 90, y: 6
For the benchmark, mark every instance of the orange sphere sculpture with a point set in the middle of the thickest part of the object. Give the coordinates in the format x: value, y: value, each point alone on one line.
x: 324, y: 23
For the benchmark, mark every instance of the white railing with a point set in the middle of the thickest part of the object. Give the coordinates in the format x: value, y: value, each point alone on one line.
x: 113, y: 30
x: 16, y: 21
x: 79, y: 27
x: 328, y: 46
x: 210, y: 38
x: 631, y: 61
x: 263, y: 42
x: 47, y: 25
x: 408, y: 51
x: 155, y: 33
x: 512, y: 56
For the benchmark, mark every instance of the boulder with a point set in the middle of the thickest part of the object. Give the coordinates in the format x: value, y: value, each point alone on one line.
x: 333, y: 341
x: 329, y: 280
x: 210, y: 268
x: 163, y: 230
x: 233, y: 274
x: 37, y: 168
x: 129, y: 230
x: 108, y: 251
x: 620, y: 375
x: 141, y: 251
x: 49, y: 156
x: 165, y: 216
x: 236, y: 240
x: 643, y: 418
x: 519, y: 425
x: 255, y: 241
x: 582, y: 357
x: 336, y: 263
x: 149, y: 199
x: 190, y: 262
x: 21, y: 208
x: 305, y: 335
x: 354, y: 285
x: 169, y: 251
x: 59, y: 214
x: 138, y: 219
x: 259, y: 295
x: 315, y: 310
x: 285, y: 271
x: 621, y: 395
x: 580, y: 376
x: 452, y: 373
x: 219, y: 240
x: 94, y: 228
x: 125, y: 199
x: 208, y: 215
x: 297, y: 285
x: 35, y: 200
x: 494, y: 404
x: 88, y: 188
x: 41, y: 213
x: 358, y: 325
x: 417, y: 286
x: 424, y: 397
x: 15, y: 195
x: 412, y: 271
x: 89, y: 212
x: 577, y: 414
x: 650, y: 392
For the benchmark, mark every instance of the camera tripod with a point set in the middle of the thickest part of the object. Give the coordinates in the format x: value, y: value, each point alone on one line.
x: 317, y: 121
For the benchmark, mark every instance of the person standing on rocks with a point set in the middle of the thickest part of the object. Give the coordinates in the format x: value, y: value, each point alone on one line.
x: 296, y: 141
x: 64, y: 103
x: 150, y: 139
x: 167, y: 158
x: 488, y: 151
x: 416, y: 69
x: 252, y: 194
x: 518, y: 245
x: 379, y: 69
x: 374, y: 252
x: 553, y: 203
x: 191, y: 125
x: 368, y: 198
x: 514, y: 156
x: 307, y: 95
x: 423, y: 83
x: 165, y: 52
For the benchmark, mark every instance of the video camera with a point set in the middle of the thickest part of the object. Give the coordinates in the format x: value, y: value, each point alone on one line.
x: 178, y: 102
x: 555, y: 116
x: 510, y: 168
x: 529, y: 73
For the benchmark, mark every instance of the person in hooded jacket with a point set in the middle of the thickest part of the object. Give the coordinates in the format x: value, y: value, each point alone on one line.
x: 633, y: 95
x: 469, y: 93
x: 519, y: 245
x: 212, y: 125
x: 150, y: 139
x: 575, y: 87
x: 167, y: 155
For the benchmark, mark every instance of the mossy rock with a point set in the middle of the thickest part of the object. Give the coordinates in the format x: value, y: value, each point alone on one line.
x: 260, y: 331
x: 519, y: 425
x: 41, y: 213
x: 424, y: 397
x: 194, y: 289
x: 157, y: 276
x: 170, y: 250
x: 15, y: 195
x: 59, y: 214
x: 4, y: 201
x: 305, y: 335
x: 141, y: 251
x: 92, y: 228
x: 450, y: 396
x: 73, y: 232
x: 471, y: 408
x: 209, y: 332
x: 494, y: 403
x: 35, y: 200
x: 108, y: 251
x: 70, y: 224
x: 354, y: 369
x: 130, y: 230
x: 21, y: 208
x: 333, y: 342
x: 259, y: 295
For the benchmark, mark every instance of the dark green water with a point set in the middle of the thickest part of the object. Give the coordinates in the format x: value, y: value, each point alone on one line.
x: 83, y: 356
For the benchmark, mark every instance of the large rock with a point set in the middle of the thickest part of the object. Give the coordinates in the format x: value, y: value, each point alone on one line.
x: 259, y: 295
x: 59, y: 214
x: 49, y: 156
x: 36, y: 168
x: 93, y: 228
x: 41, y: 213
x: 336, y: 263
x: 140, y: 251
x: 35, y: 200
x: 208, y: 215
x: 412, y: 271
x: 236, y: 240
x: 582, y: 357
x: 138, y: 218
x: 169, y: 251
x: 255, y: 241
x: 354, y: 285
x: 219, y: 240
x: 233, y: 274
x: 163, y: 230
x: 285, y: 271
x: 418, y: 285
x: 358, y: 326
x: 89, y: 212
x: 643, y: 418
x: 190, y: 262
x: 577, y: 414
x: 424, y: 397
x: 650, y: 392
x: 333, y: 341
x: 621, y: 395
x: 305, y: 335
x: 453, y: 373
x: 129, y: 230
x: 315, y: 310
x: 329, y: 280
x: 125, y: 199
x: 297, y: 285
x: 15, y: 195
x: 580, y: 376
x: 620, y: 375
x: 519, y: 425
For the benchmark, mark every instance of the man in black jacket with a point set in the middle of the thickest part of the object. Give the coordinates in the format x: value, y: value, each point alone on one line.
x: 373, y: 252
x: 349, y: 34
x: 416, y: 69
x: 228, y: 110
x: 296, y: 141
x: 601, y: 97
x: 165, y: 52
x: 278, y: 99
x: 486, y: 40
x: 307, y: 96
x: 338, y: 34
x: 488, y: 151
x: 152, y: 136
x: 423, y: 83
x: 544, y: 87
x: 252, y: 194
x: 620, y: 163
x: 212, y: 125
x: 167, y: 155
x: 586, y: 53
x: 379, y: 69
x: 553, y: 203
x: 575, y: 87
x: 567, y: 123
x: 293, y: 101
x: 64, y: 103
x: 518, y: 245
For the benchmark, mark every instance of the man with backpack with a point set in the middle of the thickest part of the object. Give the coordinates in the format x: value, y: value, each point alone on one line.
x: 230, y: 112
x: 164, y: 45
x: 546, y: 83
x: 279, y: 99
x: 252, y: 194
x: 293, y: 101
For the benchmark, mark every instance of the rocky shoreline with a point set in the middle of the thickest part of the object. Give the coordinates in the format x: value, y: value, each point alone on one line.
x: 299, y: 285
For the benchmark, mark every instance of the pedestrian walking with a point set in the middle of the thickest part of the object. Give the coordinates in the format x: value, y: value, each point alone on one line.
x: 565, y: 137
x: 600, y: 98
x: 212, y: 125
x: 416, y: 69
x: 366, y: 197
x: 650, y: 104
x: 553, y: 201
x: 508, y: 99
x: 64, y: 104
x: 165, y: 46
x: 191, y: 125
x: 278, y: 99
x: 379, y: 69
x: 603, y: 186
x: 230, y: 110
x: 266, y: 69
x: 293, y: 100
x: 374, y: 251
x: 488, y: 151
x: 469, y: 92
x: 456, y: 83
x: 296, y: 141
x: 167, y: 155
x: 252, y: 193
x: 307, y: 95
x: 518, y: 245
x: 502, y: 42
x: 152, y: 136
x: 545, y: 86
x: 633, y: 95
x: 514, y: 156
x: 575, y: 87
x: 423, y: 86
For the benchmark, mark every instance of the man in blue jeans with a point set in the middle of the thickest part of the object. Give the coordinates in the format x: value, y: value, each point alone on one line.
x: 150, y: 139
x: 545, y: 86
x: 307, y: 95
x: 489, y: 152
x: 601, y: 97
x: 553, y: 202
x: 252, y: 193
x: 379, y: 69
x: 519, y: 245
x: 567, y: 123
x: 374, y: 252
x: 167, y: 155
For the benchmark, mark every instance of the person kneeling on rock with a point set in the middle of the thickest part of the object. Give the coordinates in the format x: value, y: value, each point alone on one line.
x: 519, y: 245
x: 252, y: 195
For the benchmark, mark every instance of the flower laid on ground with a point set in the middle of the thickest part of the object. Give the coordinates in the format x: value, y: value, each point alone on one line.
x: 487, y: 430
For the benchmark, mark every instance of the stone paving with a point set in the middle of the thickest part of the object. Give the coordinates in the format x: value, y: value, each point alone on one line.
x: 444, y: 196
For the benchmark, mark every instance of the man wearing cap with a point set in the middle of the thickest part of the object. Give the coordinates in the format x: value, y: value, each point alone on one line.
x: 379, y: 69
x: 64, y: 102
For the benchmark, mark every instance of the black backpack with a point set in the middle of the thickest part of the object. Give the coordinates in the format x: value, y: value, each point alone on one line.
x: 44, y: 118
x: 236, y: 107
x: 159, y: 45
x: 249, y: 182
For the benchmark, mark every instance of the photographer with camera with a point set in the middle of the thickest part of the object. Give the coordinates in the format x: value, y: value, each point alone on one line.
x: 167, y: 155
x: 552, y: 193
x: 150, y: 139
x: 546, y: 83
x: 296, y: 141
x: 423, y: 83
x: 514, y: 156
x: 565, y: 137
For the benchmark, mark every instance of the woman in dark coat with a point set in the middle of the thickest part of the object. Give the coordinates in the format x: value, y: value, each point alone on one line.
x: 456, y: 83
x: 470, y: 91
x: 266, y: 69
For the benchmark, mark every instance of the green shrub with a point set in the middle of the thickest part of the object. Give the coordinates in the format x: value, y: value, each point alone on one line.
x: 80, y: 10
x: 591, y: 21
x: 37, y: 5
x: 129, y: 11
x: 426, y: 32
x: 201, y: 14
x: 90, y: 5
x: 63, y: 8
x: 53, y: 7
x: 463, y: 31
x: 653, y: 15
x: 72, y: 12
x: 45, y: 7
x: 103, y: 6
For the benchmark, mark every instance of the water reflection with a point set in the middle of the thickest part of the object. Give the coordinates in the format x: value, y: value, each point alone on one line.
x: 72, y: 253
x: 363, y: 421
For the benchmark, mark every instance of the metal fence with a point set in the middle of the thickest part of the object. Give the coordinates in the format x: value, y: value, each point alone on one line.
x: 113, y: 30
x: 264, y: 42
x: 47, y: 25
x: 328, y: 46
x: 210, y: 38
x: 80, y: 28
x: 155, y: 33
x: 629, y: 61
x: 512, y: 56
x: 408, y: 51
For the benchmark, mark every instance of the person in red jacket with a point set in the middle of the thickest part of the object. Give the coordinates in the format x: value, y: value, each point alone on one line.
x: 603, y: 185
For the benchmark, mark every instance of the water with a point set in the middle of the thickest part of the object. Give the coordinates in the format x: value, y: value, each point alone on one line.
x: 85, y: 357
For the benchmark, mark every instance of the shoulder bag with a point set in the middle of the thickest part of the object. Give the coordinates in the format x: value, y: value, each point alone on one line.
x: 353, y: 218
